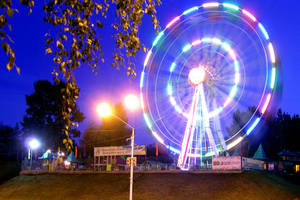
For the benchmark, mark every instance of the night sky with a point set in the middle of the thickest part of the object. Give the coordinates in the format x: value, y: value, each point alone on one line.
x: 280, y: 18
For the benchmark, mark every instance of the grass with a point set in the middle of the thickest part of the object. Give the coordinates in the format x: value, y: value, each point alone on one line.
x: 248, y: 185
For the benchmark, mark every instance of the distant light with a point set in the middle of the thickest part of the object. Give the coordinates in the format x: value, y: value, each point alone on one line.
x: 206, y: 39
x: 172, y: 67
x: 169, y: 89
x: 226, y: 46
x: 249, y: 15
x: 173, y: 21
x: 147, y: 120
x: 216, y: 41
x: 197, y: 75
x: 34, y: 144
x: 178, y: 109
x: 132, y: 102
x: 147, y: 58
x: 228, y: 100
x: 236, y: 65
x: 235, y: 142
x: 142, y: 79
x: 272, y: 53
x: 232, y: 54
x: 186, y: 48
x: 196, y: 42
x: 172, y: 100
x: 158, y: 38
x: 173, y: 149
x: 48, y: 151
x: 237, y: 78
x: 67, y: 163
x: 263, y: 30
x: 263, y: 110
x: 190, y: 10
x: 253, y: 126
x: 157, y: 137
x: 233, y: 91
x: 273, y: 77
x: 231, y: 6
x: 211, y: 5
x: 104, y: 109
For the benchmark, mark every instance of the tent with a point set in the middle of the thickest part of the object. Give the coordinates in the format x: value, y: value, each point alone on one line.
x: 260, y: 153
x: 46, y: 155
x: 71, y: 158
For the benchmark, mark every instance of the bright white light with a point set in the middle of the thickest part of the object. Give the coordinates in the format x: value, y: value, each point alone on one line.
x: 253, y: 126
x: 231, y: 6
x: 132, y: 102
x: 232, y: 144
x: 273, y: 77
x: 216, y: 41
x: 173, y: 21
x: 186, y: 48
x: 104, y: 110
x: 196, y: 42
x: 48, y: 151
x: 34, y: 144
x: 266, y: 104
x: 158, y: 38
x: 157, y: 137
x: 210, y: 5
x: 272, y: 53
x: 190, y: 10
x: 147, y: 58
x: 67, y: 163
x: 197, y: 75
x: 263, y: 30
x: 249, y: 15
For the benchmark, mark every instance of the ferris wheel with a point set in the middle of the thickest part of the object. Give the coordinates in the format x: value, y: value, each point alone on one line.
x: 209, y: 64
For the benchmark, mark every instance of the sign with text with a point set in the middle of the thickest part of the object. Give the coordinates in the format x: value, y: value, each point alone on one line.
x: 250, y: 163
x: 227, y: 163
x: 119, y: 151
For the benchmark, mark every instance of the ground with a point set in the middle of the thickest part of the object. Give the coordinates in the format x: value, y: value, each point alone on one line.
x: 180, y: 186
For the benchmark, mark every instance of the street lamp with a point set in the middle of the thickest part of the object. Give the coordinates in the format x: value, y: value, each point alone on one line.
x: 132, y: 103
x: 33, y: 144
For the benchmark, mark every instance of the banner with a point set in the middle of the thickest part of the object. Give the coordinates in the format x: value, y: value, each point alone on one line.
x: 250, y: 163
x: 227, y: 163
x: 119, y: 150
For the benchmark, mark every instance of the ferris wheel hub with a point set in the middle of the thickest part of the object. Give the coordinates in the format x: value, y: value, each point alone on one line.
x: 197, y: 75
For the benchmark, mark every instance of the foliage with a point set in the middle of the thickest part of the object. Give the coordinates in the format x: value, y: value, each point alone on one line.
x: 112, y: 132
x: 9, y: 142
x: 44, y: 115
x: 75, y: 37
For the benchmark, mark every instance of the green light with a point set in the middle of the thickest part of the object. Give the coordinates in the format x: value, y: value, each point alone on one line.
x: 186, y: 48
x: 158, y: 38
x: 231, y: 6
x: 169, y: 88
x: 273, y: 78
x: 147, y: 121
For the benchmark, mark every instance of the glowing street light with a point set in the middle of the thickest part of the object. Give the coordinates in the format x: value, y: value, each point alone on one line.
x: 104, y: 110
x: 33, y: 144
x: 132, y: 103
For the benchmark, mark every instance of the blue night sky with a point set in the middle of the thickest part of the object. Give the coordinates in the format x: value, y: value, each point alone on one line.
x: 281, y: 19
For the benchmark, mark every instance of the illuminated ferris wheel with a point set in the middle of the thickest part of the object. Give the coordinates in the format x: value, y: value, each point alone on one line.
x: 208, y: 63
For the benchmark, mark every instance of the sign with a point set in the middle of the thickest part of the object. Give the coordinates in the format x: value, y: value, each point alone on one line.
x: 130, y: 161
x: 250, y: 163
x: 119, y: 150
x: 227, y: 163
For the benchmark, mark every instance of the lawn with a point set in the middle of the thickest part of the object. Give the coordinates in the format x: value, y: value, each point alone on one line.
x: 183, y: 186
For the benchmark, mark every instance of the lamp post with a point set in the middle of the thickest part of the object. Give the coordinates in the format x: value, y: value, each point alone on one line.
x: 33, y: 144
x: 131, y: 102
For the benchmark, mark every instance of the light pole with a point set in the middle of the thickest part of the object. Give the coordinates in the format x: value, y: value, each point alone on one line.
x: 33, y: 144
x: 131, y: 102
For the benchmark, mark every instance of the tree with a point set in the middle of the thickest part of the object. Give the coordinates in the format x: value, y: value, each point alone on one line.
x: 74, y: 38
x: 9, y: 142
x: 43, y: 116
x: 112, y: 132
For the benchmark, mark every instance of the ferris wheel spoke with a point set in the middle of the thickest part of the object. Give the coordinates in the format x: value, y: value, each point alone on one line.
x: 189, y: 131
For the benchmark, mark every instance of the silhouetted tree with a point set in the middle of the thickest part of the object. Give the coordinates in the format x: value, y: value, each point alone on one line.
x: 43, y: 117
